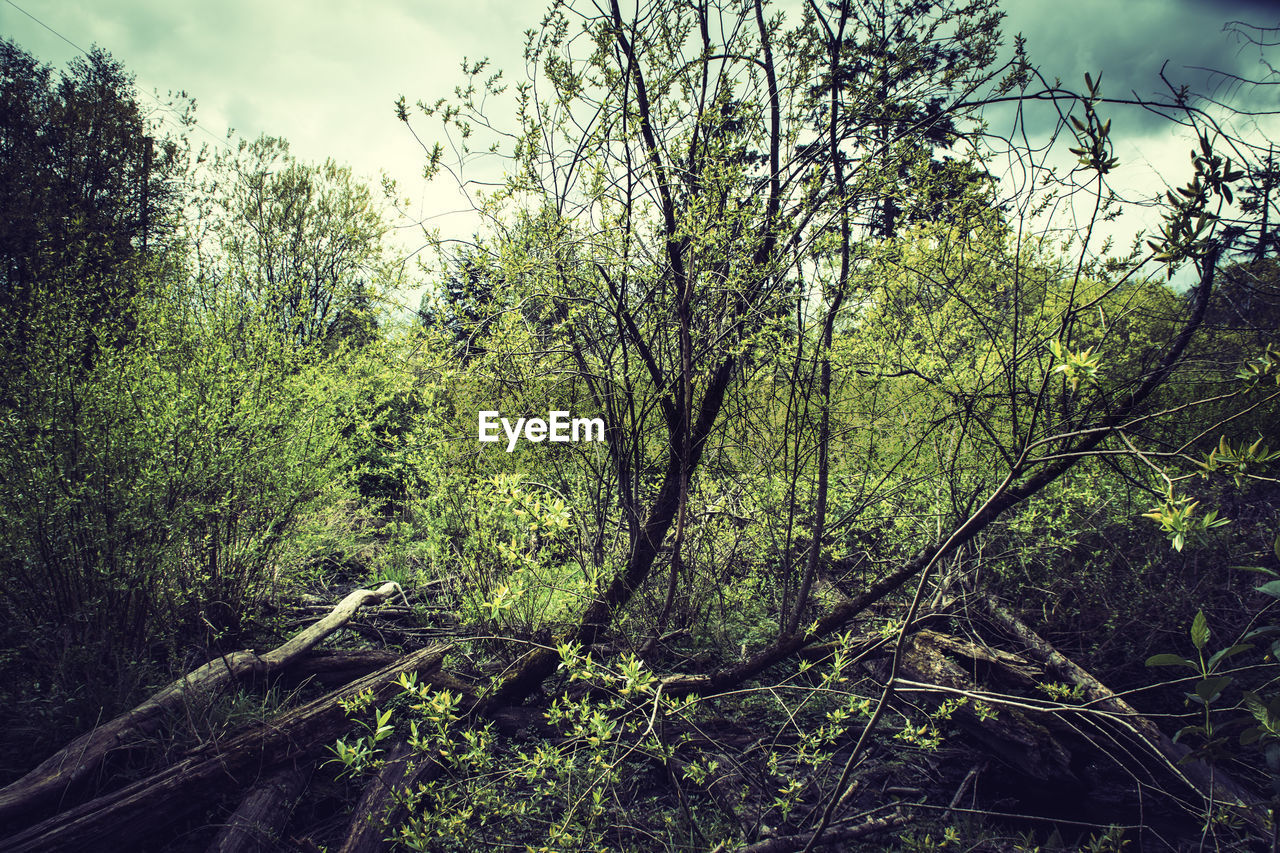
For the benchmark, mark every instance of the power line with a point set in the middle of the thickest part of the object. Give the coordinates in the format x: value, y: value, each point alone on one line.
x: 47, y: 27
x: 159, y: 104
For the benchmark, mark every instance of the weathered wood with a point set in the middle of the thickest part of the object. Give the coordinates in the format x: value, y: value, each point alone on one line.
x: 22, y: 800
x: 1213, y: 784
x: 339, y: 616
x: 1013, y: 736
x: 120, y: 819
x: 334, y: 668
x: 377, y: 813
x: 256, y: 825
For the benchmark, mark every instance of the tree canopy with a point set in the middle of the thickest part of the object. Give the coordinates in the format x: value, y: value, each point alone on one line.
x: 85, y: 186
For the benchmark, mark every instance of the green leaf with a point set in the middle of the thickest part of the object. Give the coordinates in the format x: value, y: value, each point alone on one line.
x: 1188, y: 730
x: 1256, y: 706
x: 1272, y: 588
x: 1171, y: 660
x: 1209, y: 689
x: 1262, y: 570
x: 1199, y: 630
x: 1225, y: 654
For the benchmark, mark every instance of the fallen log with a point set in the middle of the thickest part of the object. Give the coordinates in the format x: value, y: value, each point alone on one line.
x: 334, y: 668
x: 120, y: 819
x: 1212, y: 784
x: 117, y: 820
x: 256, y: 825
x: 21, y: 801
x: 339, y: 616
x: 377, y: 812
x: 1013, y: 737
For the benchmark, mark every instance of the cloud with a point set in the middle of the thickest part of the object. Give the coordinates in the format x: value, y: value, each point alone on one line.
x: 1132, y: 43
x: 325, y: 76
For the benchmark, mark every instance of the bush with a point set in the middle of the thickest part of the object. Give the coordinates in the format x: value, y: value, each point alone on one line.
x: 147, y: 495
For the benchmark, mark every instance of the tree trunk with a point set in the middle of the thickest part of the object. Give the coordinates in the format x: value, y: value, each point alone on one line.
x: 336, y: 667
x: 80, y: 760
x: 119, y: 820
x: 377, y: 814
x: 1211, y: 783
x: 256, y: 826
x: 1013, y: 737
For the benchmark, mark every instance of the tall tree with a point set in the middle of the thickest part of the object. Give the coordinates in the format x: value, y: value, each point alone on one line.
x: 682, y: 196
x: 896, y: 72
x: 83, y: 188
x: 302, y: 243
x: 710, y: 195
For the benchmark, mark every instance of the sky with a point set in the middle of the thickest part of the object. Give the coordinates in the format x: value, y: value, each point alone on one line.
x: 325, y: 75
x: 1187, y: 40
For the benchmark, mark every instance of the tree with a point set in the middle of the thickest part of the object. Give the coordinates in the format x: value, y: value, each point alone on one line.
x: 897, y: 71
x: 170, y: 408
x: 303, y: 244
x: 691, y: 214
x: 463, y: 302
x: 83, y: 186
x: 832, y: 406
x: 718, y: 181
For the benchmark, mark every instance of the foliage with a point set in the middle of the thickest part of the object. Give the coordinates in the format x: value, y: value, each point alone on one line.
x: 584, y: 777
x: 153, y: 493
x: 1254, y: 720
x: 834, y: 355
x: 302, y: 243
x: 83, y: 189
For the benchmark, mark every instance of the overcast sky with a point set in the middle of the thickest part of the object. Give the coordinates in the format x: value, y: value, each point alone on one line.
x: 324, y: 75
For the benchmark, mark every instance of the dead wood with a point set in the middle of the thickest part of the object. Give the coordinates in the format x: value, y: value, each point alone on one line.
x: 22, y: 800
x: 969, y: 778
x: 256, y: 825
x: 1025, y: 744
x: 378, y: 812
x: 1213, y: 784
x: 335, y: 667
x: 118, y: 820
x: 339, y: 616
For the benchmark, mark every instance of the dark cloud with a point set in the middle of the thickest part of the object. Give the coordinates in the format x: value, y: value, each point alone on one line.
x: 1193, y: 42
x: 325, y: 75
x: 1261, y: 10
